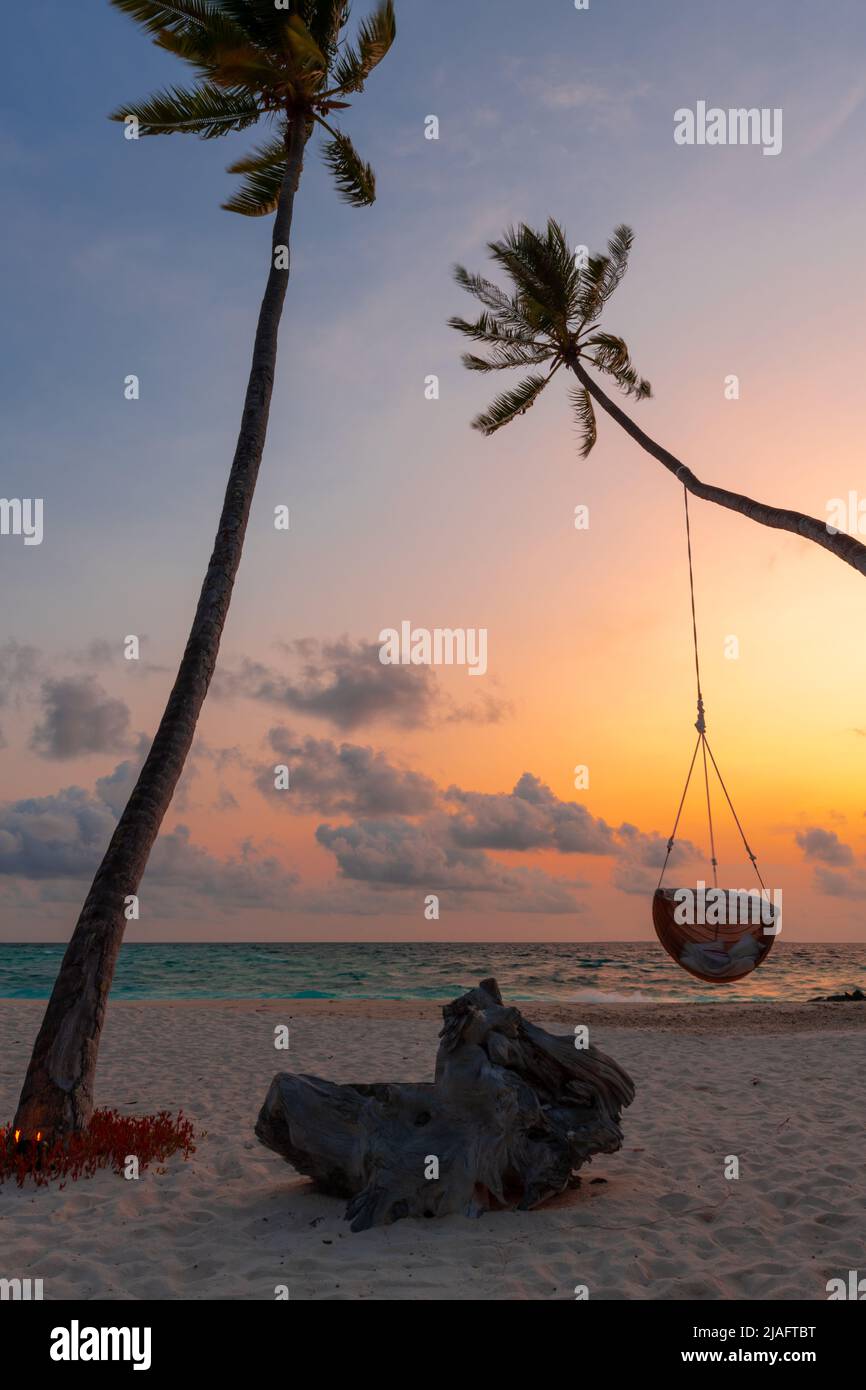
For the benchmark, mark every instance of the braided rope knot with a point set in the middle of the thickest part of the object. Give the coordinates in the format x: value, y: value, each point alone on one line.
x: 701, y: 723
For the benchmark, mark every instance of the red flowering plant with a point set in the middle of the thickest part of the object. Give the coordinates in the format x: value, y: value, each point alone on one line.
x: 109, y: 1141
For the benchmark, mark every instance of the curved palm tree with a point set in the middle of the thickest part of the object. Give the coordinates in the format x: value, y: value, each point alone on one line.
x: 254, y: 61
x: 552, y: 318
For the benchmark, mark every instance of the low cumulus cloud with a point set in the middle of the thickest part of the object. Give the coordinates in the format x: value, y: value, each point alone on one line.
x: 824, y: 845
x: 397, y: 852
x: 529, y: 817
x: 60, y: 836
x: 21, y: 666
x: 841, y: 884
x: 345, y: 684
x: 453, y: 852
x: 53, y: 839
x: 79, y: 717
x: 347, y: 779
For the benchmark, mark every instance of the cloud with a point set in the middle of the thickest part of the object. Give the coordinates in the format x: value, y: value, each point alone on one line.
x: 97, y: 653
x: 824, y: 845
x: 20, y: 668
x: 449, y: 852
x: 79, y: 718
x: 530, y: 817
x: 610, y: 105
x: 342, y: 682
x: 60, y: 836
x: 396, y: 852
x: 348, y: 779
x: 841, y: 885
x: 116, y: 787
x: 346, y: 684
x: 52, y: 839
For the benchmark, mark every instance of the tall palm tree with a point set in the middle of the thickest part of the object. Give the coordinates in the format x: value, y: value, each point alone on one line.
x: 552, y: 317
x: 291, y: 67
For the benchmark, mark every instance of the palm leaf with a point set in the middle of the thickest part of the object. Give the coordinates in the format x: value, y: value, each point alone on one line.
x: 155, y: 16
x: 543, y: 294
x: 507, y: 310
x: 612, y: 356
x: 375, y: 37
x: 325, y: 19
x: 510, y: 404
x: 355, y: 180
x: 265, y: 157
x: 584, y: 414
x: 224, y: 56
x: 618, y: 248
x: 306, y: 53
x: 593, y: 278
x: 206, y: 110
x: 488, y: 328
x: 260, y: 20
x: 508, y: 355
x: 259, y: 193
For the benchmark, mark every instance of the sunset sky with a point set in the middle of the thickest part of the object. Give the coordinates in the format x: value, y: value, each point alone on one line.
x: 407, y: 781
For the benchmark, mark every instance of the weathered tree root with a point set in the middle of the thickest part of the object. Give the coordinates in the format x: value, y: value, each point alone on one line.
x: 511, y: 1115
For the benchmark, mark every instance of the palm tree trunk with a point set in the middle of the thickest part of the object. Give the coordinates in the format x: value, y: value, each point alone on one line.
x: 57, y: 1096
x: 852, y: 551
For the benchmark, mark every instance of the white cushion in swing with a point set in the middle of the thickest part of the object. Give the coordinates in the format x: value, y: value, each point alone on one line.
x: 720, y: 952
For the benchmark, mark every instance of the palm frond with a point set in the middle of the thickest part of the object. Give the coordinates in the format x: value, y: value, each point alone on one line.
x: 155, y: 16
x: 307, y: 55
x: 223, y: 55
x: 489, y: 329
x: 259, y: 193
x: 508, y: 311
x: 260, y: 20
x: 510, y: 404
x: 546, y: 290
x: 611, y: 355
x: 375, y: 38
x: 325, y: 19
x: 601, y: 276
x: 206, y: 110
x: 584, y: 415
x: 264, y: 157
x: 542, y: 267
x: 355, y: 180
x: 618, y: 248
x: 591, y: 293
x: 508, y: 355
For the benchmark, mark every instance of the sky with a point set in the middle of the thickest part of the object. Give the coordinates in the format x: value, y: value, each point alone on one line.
x: 411, y: 781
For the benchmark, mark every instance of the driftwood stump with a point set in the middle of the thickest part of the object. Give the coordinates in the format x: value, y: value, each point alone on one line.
x: 511, y: 1115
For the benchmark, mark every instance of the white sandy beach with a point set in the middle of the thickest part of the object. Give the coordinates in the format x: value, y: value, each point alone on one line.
x: 780, y: 1086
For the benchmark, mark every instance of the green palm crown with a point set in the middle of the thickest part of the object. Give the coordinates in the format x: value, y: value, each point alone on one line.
x: 552, y: 316
x: 254, y: 60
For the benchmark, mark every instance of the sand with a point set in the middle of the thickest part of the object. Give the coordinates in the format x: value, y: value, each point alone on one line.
x: 778, y: 1086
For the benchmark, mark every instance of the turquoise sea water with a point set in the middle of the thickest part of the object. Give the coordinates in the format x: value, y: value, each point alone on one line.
x: 613, y: 971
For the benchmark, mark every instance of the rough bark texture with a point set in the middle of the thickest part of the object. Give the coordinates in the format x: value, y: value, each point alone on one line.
x: 848, y: 548
x: 57, y: 1096
x: 511, y: 1115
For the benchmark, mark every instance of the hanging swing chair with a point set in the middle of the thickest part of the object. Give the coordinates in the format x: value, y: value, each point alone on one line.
x: 717, y: 935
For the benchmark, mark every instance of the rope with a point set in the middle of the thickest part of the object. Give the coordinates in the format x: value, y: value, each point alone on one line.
x: 679, y: 813
x: 713, y: 860
x: 736, y: 817
x: 700, y: 724
x: 703, y: 744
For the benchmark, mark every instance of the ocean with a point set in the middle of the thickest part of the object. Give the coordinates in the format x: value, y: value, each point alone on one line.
x: 580, y: 971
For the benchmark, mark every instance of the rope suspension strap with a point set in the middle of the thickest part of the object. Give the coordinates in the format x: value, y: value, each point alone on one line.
x: 679, y: 813
x: 703, y: 744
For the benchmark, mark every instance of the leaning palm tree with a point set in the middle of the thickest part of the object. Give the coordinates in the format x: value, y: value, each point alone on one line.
x: 289, y: 66
x: 551, y: 319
